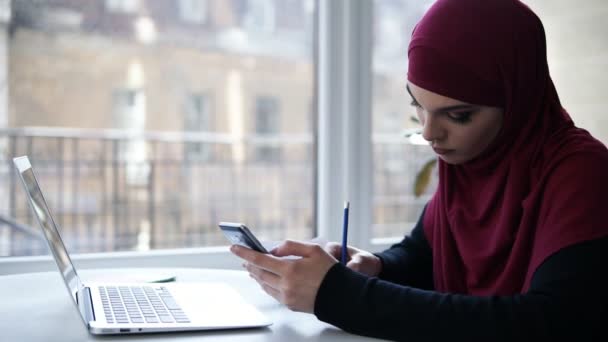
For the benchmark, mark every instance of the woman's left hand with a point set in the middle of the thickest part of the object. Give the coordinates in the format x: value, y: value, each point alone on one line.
x: 293, y: 282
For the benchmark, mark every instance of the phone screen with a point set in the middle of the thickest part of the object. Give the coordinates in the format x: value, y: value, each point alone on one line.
x: 239, y: 234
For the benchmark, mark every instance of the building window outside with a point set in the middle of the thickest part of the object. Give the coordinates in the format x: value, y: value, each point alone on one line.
x: 197, y: 118
x: 267, y: 124
x: 122, y: 6
x: 260, y: 15
x: 193, y: 11
x: 130, y: 116
x: 129, y: 108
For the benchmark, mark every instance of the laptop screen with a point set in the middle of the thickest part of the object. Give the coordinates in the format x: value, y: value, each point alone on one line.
x: 51, y: 233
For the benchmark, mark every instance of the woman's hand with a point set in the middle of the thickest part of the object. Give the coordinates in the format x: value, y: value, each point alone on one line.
x: 293, y: 282
x: 357, y: 259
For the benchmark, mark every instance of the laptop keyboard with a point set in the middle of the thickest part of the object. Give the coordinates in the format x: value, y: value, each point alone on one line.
x: 140, y: 304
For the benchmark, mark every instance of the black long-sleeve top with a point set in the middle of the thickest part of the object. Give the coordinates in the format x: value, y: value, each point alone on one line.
x: 568, y: 298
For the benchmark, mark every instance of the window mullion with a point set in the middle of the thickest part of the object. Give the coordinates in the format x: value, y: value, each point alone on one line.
x: 344, y: 132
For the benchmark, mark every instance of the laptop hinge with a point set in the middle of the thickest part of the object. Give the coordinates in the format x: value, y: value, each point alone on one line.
x: 85, y: 304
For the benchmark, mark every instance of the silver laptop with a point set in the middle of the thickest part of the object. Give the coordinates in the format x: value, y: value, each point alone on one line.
x: 127, y: 308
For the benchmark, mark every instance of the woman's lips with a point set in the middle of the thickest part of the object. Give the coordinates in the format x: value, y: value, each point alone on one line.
x: 441, y: 150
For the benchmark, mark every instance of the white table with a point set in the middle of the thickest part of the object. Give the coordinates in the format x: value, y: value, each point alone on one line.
x: 37, y: 307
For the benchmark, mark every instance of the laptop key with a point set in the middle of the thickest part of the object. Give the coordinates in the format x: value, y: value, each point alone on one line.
x: 166, y: 319
x: 151, y: 319
x: 170, y: 303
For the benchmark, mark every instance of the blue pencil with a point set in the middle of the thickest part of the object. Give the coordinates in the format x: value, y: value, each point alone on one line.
x: 345, y: 234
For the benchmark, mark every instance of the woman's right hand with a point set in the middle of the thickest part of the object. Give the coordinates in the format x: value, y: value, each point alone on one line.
x: 357, y: 259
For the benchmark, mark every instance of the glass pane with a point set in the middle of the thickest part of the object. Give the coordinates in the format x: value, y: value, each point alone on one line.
x: 401, y: 157
x: 577, y: 52
x: 148, y: 122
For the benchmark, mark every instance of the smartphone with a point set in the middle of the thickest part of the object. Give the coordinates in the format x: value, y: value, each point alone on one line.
x: 239, y: 234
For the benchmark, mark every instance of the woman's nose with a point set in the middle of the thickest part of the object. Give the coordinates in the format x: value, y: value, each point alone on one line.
x: 431, y: 129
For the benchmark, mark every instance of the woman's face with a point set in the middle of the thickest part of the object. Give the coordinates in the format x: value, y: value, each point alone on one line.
x: 457, y: 131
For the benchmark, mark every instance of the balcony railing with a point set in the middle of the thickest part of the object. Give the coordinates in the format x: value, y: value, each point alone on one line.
x: 115, y: 191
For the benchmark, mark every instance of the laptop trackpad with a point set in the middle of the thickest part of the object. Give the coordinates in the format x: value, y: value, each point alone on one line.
x: 216, y: 305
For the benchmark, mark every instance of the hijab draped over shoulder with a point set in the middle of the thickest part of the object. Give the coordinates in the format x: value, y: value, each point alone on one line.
x: 542, y: 185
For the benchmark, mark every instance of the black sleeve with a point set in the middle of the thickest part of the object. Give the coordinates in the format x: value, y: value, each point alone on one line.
x: 409, y: 262
x: 567, y: 299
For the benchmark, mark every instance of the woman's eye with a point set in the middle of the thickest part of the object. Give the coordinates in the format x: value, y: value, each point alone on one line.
x: 460, y: 117
x: 415, y: 104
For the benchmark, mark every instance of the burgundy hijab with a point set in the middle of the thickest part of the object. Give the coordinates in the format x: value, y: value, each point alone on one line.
x: 542, y: 185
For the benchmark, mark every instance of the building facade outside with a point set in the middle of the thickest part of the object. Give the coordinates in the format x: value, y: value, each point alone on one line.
x: 151, y: 120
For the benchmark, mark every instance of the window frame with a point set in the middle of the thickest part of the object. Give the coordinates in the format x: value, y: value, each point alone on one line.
x: 344, y: 77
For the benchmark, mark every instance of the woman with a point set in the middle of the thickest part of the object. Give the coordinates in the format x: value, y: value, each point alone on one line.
x: 512, y: 245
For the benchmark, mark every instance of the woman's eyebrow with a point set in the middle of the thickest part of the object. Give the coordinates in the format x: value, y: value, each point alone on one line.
x: 453, y: 108
x: 407, y: 86
x: 442, y: 109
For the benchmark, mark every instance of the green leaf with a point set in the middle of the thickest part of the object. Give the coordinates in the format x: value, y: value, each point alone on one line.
x: 423, y: 178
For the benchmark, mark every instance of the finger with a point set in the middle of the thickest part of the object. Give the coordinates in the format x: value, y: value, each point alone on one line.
x: 259, y: 281
x: 263, y: 276
x: 290, y: 247
x: 333, y: 248
x: 355, y: 263
x: 265, y: 261
x: 271, y: 292
x: 354, y: 266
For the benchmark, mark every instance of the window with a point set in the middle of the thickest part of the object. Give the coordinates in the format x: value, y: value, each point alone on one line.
x: 390, y: 123
x: 260, y: 15
x: 130, y: 115
x: 197, y: 118
x: 122, y: 6
x: 147, y: 146
x: 267, y: 115
x: 129, y: 109
x: 398, y: 160
x: 574, y: 62
x: 193, y: 11
x: 267, y: 124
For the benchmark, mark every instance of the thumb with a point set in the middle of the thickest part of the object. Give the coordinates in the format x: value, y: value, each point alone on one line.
x: 334, y: 249
x: 355, y: 262
x: 290, y: 247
